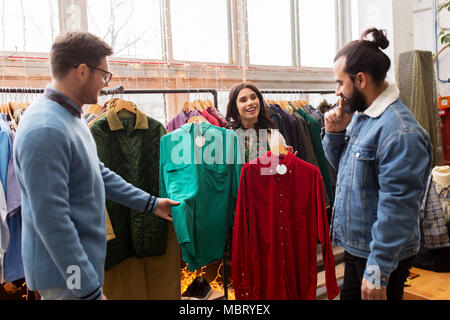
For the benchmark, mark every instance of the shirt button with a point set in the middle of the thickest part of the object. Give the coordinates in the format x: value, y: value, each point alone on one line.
x: 246, y: 293
x: 281, y: 194
x: 281, y: 211
x: 281, y: 228
x: 282, y: 244
x: 357, y: 155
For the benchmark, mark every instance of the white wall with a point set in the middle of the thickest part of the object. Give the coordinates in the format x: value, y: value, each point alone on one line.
x: 396, y: 17
x: 424, y: 38
x: 410, y: 25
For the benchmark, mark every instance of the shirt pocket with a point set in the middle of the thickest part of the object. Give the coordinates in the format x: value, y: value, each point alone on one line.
x: 177, y: 178
x: 364, y: 167
x: 216, y: 176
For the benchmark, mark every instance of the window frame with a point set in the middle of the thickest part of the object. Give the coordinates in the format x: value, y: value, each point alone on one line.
x: 239, y: 66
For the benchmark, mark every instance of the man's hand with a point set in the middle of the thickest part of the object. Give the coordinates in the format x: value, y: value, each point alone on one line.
x: 163, y: 209
x: 103, y: 297
x: 368, y: 292
x: 337, y: 120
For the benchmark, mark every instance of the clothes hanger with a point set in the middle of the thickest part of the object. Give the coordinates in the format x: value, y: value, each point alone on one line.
x: 279, y: 150
x: 283, y: 103
x: 198, y: 106
x: 125, y: 105
x: 187, y: 105
x: 196, y: 119
x: 210, y: 104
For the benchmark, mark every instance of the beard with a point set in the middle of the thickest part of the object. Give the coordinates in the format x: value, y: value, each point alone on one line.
x: 89, y: 94
x: 357, y: 102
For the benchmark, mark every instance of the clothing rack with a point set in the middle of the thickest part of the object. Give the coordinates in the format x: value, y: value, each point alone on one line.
x: 120, y: 90
x: 298, y: 91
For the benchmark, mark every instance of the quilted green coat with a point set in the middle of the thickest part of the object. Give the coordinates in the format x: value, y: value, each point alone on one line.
x: 130, y: 148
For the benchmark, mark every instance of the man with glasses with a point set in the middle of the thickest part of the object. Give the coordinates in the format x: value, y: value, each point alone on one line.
x: 63, y: 184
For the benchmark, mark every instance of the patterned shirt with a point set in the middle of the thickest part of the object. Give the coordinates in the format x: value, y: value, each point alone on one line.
x: 63, y: 100
x: 436, y: 216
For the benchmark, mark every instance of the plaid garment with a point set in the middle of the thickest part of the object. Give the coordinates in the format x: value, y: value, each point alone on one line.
x: 63, y: 100
x: 435, y: 216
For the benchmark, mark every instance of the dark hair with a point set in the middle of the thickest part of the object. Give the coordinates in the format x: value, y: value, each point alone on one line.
x: 73, y: 48
x: 232, y: 116
x: 365, y: 56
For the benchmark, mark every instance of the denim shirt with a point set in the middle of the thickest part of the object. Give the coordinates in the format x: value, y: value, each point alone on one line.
x: 383, y: 163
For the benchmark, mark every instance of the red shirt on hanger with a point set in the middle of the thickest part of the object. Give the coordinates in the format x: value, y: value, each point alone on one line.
x: 278, y: 220
x: 210, y: 118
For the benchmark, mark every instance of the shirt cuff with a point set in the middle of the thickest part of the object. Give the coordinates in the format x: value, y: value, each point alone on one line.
x: 152, y: 204
x: 334, y: 138
x: 96, y: 295
x: 376, y: 277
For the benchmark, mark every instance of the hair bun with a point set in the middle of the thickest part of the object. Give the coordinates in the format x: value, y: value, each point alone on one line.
x: 379, y: 37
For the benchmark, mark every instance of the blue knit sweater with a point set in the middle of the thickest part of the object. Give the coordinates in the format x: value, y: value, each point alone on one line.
x: 63, y: 186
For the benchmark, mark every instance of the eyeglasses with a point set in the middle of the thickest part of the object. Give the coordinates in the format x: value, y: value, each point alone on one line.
x: 107, y: 75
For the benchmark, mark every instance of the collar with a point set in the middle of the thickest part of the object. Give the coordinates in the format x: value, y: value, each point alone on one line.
x: 114, y: 121
x: 269, y: 159
x: 203, y: 126
x: 439, y: 188
x: 63, y: 100
x: 383, y: 101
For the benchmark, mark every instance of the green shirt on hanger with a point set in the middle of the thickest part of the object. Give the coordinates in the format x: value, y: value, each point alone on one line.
x: 315, y: 131
x: 200, y: 166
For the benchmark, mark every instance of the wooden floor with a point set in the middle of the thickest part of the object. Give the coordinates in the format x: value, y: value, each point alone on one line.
x: 428, y: 285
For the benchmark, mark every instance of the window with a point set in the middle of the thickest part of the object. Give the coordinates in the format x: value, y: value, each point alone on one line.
x: 132, y: 28
x: 153, y: 105
x: 28, y: 25
x: 269, y: 32
x: 317, y: 33
x: 200, y: 30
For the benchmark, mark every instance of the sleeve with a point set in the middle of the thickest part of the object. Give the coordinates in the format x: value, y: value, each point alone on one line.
x: 333, y: 144
x: 46, y: 171
x: 324, y: 238
x: 238, y: 164
x: 120, y: 191
x: 162, y: 183
x: 404, y: 164
x: 240, y: 254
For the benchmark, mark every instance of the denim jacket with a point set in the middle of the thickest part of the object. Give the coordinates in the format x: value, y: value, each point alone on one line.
x: 383, y: 161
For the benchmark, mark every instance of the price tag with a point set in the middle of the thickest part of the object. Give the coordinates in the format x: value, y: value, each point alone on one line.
x: 200, y: 141
x: 281, y: 169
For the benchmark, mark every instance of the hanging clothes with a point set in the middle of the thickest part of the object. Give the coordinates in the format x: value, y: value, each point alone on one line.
x: 215, y: 113
x: 315, y: 132
x: 288, y: 134
x: 4, y: 232
x: 182, y: 118
x: 201, y: 172
x: 434, y: 252
x: 130, y: 148
x: 304, y: 135
x: 279, y: 218
x: 5, y: 149
x: 128, y: 144
x: 13, y: 263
